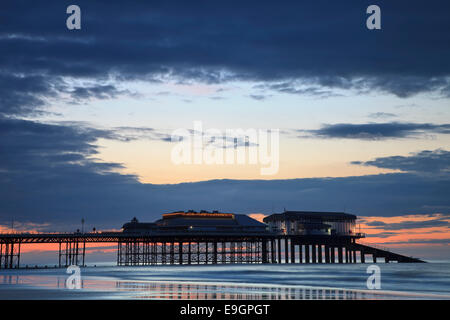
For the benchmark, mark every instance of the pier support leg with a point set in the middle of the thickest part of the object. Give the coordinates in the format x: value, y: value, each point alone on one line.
x: 232, y: 252
x: 172, y: 252
x: 215, y: 252
x: 119, y: 253
x: 5, y: 256
x: 154, y: 253
x: 272, y: 251
x: 313, y: 247
x: 9, y: 255
x: 292, y: 251
x: 18, y: 255
x: 76, y: 253
x: 306, y: 253
x: 163, y: 247
x: 319, y: 252
x: 363, y: 256
x: 333, y: 254
x: 224, y: 252
x: 300, y: 253
x: 248, y: 252
x: 279, y: 250
x: 59, y: 255
x: 264, y: 251
x: 327, y: 254
x: 180, y: 252
x: 84, y: 253
x: 286, y: 251
x: 68, y: 251
x: 189, y: 252
x: 198, y: 252
x: 340, y: 254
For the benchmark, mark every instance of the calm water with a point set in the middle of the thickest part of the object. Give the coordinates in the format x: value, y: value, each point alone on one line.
x: 398, y: 281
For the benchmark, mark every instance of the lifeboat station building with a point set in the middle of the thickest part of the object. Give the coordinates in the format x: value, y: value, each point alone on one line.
x: 312, y: 223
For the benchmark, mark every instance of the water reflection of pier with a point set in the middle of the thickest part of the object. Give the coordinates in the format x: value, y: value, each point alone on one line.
x: 187, y: 291
x: 178, y: 290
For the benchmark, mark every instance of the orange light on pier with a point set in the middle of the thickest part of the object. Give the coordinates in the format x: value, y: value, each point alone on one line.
x: 198, y: 215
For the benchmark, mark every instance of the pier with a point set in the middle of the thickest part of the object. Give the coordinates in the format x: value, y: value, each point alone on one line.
x: 187, y: 238
x: 189, y: 249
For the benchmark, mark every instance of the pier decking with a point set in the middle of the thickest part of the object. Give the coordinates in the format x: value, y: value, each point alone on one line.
x: 191, y: 248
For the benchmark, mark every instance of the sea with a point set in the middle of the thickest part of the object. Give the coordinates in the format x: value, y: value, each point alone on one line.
x: 232, y: 281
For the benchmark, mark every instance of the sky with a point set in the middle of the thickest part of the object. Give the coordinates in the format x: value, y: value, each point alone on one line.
x: 87, y: 116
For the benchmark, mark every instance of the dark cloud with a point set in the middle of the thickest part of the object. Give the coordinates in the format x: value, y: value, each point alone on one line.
x: 305, y: 88
x: 428, y: 162
x: 377, y: 131
x: 222, y: 140
x: 217, y: 98
x: 410, y: 224
x: 25, y: 94
x: 96, y: 91
x: 318, y: 44
x: 402, y: 87
x: 417, y: 224
x: 135, y: 133
x: 422, y: 241
x: 48, y: 173
x: 382, y: 235
x: 382, y: 115
x: 36, y: 149
x: 259, y: 97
